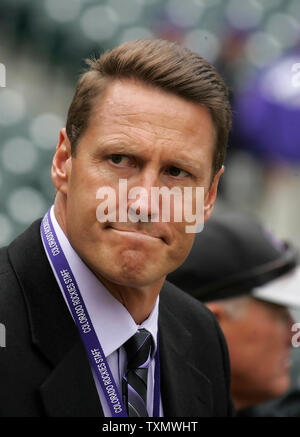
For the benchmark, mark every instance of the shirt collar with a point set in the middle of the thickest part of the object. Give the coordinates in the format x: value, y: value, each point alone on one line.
x: 112, y: 322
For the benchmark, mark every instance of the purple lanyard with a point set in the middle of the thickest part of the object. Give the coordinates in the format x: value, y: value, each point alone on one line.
x: 85, y: 326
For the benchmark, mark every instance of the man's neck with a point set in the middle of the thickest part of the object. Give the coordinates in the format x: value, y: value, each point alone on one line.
x: 139, y: 302
x: 240, y: 402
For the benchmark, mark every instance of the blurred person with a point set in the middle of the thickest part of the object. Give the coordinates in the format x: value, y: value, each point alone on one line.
x: 266, y: 111
x: 248, y: 279
x: 156, y: 115
x: 287, y: 405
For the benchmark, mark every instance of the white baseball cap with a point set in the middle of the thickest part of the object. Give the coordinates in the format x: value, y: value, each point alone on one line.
x: 284, y: 290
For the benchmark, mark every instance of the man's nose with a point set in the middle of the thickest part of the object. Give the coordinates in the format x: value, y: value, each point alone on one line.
x: 290, y: 322
x: 140, y: 193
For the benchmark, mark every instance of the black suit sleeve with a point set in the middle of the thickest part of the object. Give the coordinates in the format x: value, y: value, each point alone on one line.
x: 226, y: 366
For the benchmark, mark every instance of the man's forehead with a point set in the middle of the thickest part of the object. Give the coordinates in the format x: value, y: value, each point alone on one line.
x: 129, y: 104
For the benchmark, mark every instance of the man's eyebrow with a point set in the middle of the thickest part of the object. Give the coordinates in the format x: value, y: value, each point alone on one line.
x: 116, y: 147
x: 185, y: 164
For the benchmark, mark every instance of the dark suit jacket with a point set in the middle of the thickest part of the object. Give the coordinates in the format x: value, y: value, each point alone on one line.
x: 44, y: 370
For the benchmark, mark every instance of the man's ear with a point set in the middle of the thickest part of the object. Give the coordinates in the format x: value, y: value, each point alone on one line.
x: 62, y: 163
x: 211, y: 195
x: 217, y: 310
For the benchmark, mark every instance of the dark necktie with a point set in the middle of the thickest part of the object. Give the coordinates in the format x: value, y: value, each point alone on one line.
x: 134, y: 382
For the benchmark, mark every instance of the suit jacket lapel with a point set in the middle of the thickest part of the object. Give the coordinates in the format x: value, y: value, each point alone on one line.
x: 70, y: 389
x: 185, y: 391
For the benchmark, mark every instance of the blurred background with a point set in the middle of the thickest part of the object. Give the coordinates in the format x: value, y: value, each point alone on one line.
x: 255, y: 44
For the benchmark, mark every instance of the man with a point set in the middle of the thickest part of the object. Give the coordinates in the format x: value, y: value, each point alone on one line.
x: 247, y: 279
x: 153, y: 114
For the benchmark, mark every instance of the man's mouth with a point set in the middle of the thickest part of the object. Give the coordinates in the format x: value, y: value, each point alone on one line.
x: 138, y: 233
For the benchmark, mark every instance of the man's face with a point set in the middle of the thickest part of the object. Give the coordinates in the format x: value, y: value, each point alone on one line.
x: 259, y: 343
x: 150, y: 138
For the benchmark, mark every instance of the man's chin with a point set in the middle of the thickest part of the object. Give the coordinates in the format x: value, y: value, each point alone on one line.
x: 130, y: 279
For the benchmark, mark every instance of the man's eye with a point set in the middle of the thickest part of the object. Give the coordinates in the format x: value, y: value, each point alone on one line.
x: 177, y: 172
x: 119, y: 159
